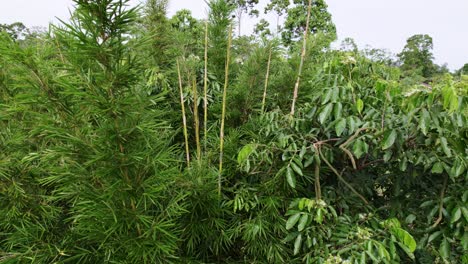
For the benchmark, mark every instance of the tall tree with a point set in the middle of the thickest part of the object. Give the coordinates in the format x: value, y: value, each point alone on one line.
x: 219, y: 21
x: 417, y: 57
x: 463, y: 70
x: 16, y: 30
x: 296, y: 20
x: 244, y: 6
x: 157, y: 26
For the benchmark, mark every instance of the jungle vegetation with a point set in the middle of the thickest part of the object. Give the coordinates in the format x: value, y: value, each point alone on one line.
x: 127, y: 136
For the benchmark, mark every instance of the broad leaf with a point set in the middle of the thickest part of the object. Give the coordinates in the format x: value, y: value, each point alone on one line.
x: 340, y: 127
x: 325, y: 113
x: 389, y: 139
x: 290, y: 177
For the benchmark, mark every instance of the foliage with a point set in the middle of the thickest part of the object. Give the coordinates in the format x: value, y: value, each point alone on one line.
x: 372, y: 168
x: 295, y: 23
x: 417, y: 55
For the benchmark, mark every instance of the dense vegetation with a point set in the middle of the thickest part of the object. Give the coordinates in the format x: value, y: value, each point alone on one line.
x: 130, y: 137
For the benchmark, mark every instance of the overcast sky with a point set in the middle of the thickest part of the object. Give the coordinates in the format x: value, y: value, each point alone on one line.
x: 382, y: 24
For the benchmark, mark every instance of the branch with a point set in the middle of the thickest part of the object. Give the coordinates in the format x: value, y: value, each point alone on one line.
x: 342, y: 179
x: 346, y: 143
x: 441, y: 203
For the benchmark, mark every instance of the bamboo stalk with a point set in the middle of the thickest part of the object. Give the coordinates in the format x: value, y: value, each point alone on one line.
x: 196, y: 118
x: 184, y: 119
x: 318, y: 189
x: 304, y: 46
x: 223, y: 112
x: 267, y: 77
x: 205, y: 89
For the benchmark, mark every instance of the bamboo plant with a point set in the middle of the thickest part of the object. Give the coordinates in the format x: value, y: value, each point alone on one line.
x: 223, y: 111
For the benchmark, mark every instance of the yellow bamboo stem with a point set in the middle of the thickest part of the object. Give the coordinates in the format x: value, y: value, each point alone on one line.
x: 304, y: 46
x: 196, y: 118
x: 184, y: 119
x: 267, y: 77
x: 205, y: 89
x: 223, y: 112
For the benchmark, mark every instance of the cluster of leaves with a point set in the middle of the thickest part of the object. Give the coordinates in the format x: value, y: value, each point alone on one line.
x: 372, y: 168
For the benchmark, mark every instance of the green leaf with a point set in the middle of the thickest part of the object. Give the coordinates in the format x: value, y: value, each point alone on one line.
x: 292, y: 221
x: 465, y: 212
x: 456, y: 215
x: 302, y: 222
x: 360, y: 148
x: 434, y: 236
x: 457, y: 168
x: 319, y: 215
x: 337, y: 110
x: 383, y: 253
x: 290, y: 177
x: 464, y: 241
x: 424, y: 121
x: 410, y: 218
x: 326, y: 97
x: 335, y: 94
x: 309, y: 161
x: 453, y: 103
x: 445, y: 148
x: 359, y: 105
x: 389, y: 139
x: 297, y: 244
x: 444, y: 249
x: 405, y: 238
x: 340, y: 126
x: 325, y: 113
x: 438, y: 167
x: 296, y: 168
x: 245, y: 152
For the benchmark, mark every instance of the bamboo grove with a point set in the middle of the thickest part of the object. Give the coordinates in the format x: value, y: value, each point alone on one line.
x: 128, y: 136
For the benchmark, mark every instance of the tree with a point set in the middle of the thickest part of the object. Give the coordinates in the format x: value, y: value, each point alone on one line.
x: 416, y: 56
x: 220, y: 19
x: 244, y: 6
x: 16, y: 30
x: 157, y: 27
x: 463, y: 70
x: 295, y: 24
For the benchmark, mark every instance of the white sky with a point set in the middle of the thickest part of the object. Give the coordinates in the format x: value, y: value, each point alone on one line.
x: 379, y: 23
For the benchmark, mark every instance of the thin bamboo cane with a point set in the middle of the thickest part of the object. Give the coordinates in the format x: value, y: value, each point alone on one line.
x: 318, y: 189
x: 205, y: 89
x: 267, y: 77
x: 304, y: 46
x: 196, y: 118
x: 223, y: 112
x: 184, y: 119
